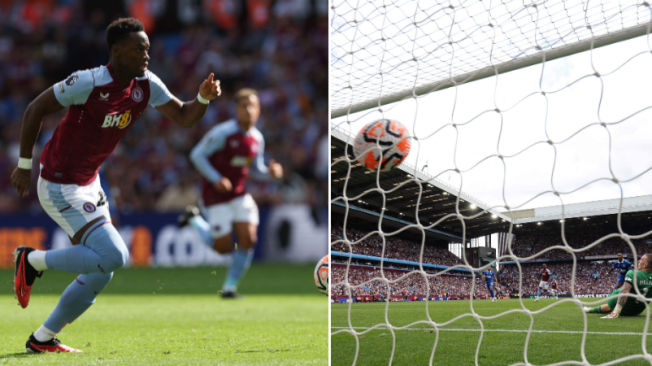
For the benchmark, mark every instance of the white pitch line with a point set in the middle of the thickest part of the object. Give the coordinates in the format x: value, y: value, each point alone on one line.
x: 504, y: 330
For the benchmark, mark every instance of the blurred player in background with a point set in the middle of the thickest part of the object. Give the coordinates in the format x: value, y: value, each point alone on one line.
x: 489, y: 277
x: 553, y: 287
x: 543, y: 283
x: 104, y: 103
x: 624, y: 305
x: 225, y: 157
x: 623, y: 267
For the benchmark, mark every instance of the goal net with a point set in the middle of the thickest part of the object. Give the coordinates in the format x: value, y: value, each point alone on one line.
x: 529, y: 124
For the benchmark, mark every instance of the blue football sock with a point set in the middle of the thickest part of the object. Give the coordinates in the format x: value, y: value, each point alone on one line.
x: 203, y: 228
x: 538, y: 293
x: 101, y: 250
x: 492, y: 292
x: 239, y: 265
x: 77, y: 298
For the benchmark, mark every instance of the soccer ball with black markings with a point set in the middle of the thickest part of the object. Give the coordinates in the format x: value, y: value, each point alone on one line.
x: 382, y: 144
x: 322, y: 275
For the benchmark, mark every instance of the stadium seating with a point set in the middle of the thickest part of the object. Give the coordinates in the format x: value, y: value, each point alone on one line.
x: 38, y: 51
x: 591, y: 276
x: 397, y: 248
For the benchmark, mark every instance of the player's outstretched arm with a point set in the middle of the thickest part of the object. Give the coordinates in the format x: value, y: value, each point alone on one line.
x: 627, y: 287
x: 210, y: 144
x: 275, y: 169
x: 44, y: 104
x: 262, y: 172
x: 187, y: 114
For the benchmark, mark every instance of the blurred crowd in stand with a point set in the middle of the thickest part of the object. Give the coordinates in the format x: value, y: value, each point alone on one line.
x: 369, y: 283
x: 279, y: 47
x: 529, y: 244
x: 590, y: 277
x: 396, y: 248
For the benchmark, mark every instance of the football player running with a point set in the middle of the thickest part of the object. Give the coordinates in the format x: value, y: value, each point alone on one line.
x: 543, y: 283
x: 553, y: 288
x: 228, y: 154
x: 624, y: 305
x: 623, y: 267
x: 104, y: 103
x: 489, y: 277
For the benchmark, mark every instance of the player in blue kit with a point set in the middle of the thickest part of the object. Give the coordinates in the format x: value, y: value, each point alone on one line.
x: 622, y: 266
x: 489, y: 277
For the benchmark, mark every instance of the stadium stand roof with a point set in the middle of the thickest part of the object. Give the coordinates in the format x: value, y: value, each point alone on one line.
x: 438, y: 199
x: 582, y: 210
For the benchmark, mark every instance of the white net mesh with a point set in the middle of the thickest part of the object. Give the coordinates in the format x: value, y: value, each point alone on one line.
x: 386, y: 50
x: 589, y: 117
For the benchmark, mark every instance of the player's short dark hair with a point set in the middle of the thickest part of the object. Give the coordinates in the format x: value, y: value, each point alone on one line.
x: 245, y: 93
x: 120, y: 28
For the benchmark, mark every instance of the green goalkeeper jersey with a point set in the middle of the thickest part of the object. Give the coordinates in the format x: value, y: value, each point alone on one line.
x: 644, y: 283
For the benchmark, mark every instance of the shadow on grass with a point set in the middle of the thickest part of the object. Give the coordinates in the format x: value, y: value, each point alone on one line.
x: 263, y: 351
x: 18, y: 355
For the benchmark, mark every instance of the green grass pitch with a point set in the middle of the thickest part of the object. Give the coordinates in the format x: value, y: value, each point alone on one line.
x: 174, y: 316
x: 556, y: 337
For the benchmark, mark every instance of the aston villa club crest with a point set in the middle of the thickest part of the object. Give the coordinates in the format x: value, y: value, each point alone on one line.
x: 89, y: 207
x: 137, y: 94
x: 71, y: 80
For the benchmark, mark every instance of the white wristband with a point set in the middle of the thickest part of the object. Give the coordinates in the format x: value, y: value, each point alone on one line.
x: 202, y: 100
x: 618, y: 309
x: 24, y: 163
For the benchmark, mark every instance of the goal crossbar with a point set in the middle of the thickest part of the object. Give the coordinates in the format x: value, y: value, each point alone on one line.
x: 492, y: 70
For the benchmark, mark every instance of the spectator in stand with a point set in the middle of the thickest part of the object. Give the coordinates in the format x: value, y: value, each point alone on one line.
x: 280, y: 49
x: 397, y: 248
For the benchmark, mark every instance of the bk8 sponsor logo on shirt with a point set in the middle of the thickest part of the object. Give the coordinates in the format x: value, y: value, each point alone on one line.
x: 121, y: 120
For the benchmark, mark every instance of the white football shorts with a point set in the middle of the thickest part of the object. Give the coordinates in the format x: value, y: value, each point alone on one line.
x: 543, y: 285
x: 222, y: 215
x: 72, y: 206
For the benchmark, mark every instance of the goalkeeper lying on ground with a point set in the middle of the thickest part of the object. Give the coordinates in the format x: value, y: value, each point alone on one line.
x: 628, y: 305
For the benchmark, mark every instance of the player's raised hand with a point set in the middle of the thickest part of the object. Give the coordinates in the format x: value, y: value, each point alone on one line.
x: 210, y: 89
x: 275, y: 169
x: 223, y: 185
x: 21, y: 180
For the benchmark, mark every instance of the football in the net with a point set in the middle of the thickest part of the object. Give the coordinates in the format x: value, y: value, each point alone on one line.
x: 322, y: 275
x: 382, y: 144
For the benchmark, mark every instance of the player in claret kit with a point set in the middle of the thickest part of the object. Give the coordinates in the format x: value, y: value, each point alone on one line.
x: 543, y: 284
x: 625, y: 305
x: 104, y: 103
x: 553, y: 288
x: 225, y: 157
x: 623, y: 267
x: 489, y: 277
